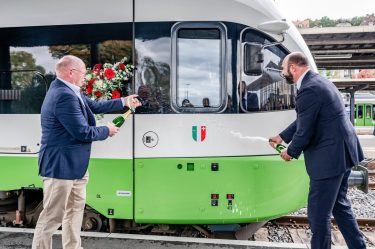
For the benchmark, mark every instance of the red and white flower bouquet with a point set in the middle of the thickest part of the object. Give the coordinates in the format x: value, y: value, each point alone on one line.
x: 108, y: 81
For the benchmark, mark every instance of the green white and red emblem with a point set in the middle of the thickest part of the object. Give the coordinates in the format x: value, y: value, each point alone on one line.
x: 199, y: 133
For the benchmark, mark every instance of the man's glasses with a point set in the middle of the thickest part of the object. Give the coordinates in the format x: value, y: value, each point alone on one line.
x: 74, y: 69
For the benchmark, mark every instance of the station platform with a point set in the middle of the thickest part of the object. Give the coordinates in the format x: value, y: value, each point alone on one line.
x: 19, y: 238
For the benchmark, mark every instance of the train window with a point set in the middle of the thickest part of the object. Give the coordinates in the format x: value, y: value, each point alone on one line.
x: 368, y: 111
x: 29, y: 53
x: 198, y: 67
x: 360, y: 111
x: 21, y: 91
x: 265, y: 90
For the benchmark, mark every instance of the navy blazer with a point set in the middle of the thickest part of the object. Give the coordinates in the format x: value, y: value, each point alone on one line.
x: 322, y: 130
x: 68, y: 129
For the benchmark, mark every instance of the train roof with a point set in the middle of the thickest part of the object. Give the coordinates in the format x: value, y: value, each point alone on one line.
x: 23, y: 13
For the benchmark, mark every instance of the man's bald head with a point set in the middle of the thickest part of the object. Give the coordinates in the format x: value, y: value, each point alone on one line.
x: 297, y: 58
x: 71, y: 69
x: 294, y: 65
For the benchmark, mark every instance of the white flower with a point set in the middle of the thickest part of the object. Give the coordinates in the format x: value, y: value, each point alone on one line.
x: 88, y: 77
x: 100, y: 84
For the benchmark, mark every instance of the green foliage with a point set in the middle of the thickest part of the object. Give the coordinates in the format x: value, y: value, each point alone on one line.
x: 357, y: 20
x: 109, y: 51
x: 327, y: 22
x: 32, y: 86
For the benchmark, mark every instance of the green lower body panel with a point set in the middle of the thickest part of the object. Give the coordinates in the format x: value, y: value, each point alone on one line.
x: 223, y: 190
x: 110, y: 188
x: 109, y: 191
x: 19, y: 172
x: 182, y: 190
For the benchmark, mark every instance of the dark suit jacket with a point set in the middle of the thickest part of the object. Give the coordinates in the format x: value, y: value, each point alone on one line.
x: 68, y: 129
x: 322, y: 130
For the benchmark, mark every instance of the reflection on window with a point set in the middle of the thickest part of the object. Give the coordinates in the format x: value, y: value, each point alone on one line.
x: 368, y: 111
x: 23, y: 93
x: 267, y: 91
x: 198, y: 68
x: 360, y: 111
x: 37, y: 49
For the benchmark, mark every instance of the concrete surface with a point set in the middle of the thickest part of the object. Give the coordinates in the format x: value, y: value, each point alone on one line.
x: 17, y: 238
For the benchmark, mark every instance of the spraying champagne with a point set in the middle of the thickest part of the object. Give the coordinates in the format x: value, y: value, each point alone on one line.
x: 279, y: 147
x: 120, y: 120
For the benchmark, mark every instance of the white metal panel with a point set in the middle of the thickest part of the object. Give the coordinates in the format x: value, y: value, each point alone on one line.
x: 249, y: 12
x: 25, y: 130
x: 19, y: 130
x: 56, y: 12
x: 119, y: 146
x: 226, y: 134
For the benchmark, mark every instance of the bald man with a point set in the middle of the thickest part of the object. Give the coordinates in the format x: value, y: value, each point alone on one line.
x: 323, y: 132
x: 68, y: 129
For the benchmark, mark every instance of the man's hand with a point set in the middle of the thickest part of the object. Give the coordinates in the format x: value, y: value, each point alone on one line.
x: 112, y: 129
x: 284, y: 155
x: 132, y: 102
x: 275, y: 141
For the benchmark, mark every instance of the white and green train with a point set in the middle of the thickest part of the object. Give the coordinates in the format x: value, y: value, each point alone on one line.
x: 364, y: 109
x: 172, y: 162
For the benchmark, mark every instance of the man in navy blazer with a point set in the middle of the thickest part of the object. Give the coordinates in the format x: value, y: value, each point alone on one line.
x: 68, y: 129
x: 323, y: 132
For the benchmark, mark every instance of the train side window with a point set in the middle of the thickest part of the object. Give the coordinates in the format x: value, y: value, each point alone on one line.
x: 261, y: 86
x: 21, y: 91
x: 360, y: 111
x: 198, y: 67
x: 368, y: 111
x: 28, y: 50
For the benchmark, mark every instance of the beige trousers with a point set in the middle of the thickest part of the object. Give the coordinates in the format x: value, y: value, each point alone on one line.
x: 63, y: 204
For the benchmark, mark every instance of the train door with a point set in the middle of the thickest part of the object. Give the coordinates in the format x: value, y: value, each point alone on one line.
x: 364, y: 114
x: 182, y: 79
x: 368, y: 114
x: 359, y: 118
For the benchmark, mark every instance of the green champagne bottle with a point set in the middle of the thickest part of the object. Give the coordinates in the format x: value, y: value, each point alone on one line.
x: 279, y: 148
x: 120, y: 120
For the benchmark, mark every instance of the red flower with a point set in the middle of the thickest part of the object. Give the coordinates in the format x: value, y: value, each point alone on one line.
x: 116, y: 94
x: 91, y: 82
x: 89, y: 89
x: 122, y: 66
x: 94, y: 71
x: 109, y: 73
x: 98, y: 94
x: 97, y: 66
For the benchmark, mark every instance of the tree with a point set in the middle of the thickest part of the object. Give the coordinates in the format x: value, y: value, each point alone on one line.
x: 31, y: 85
x: 314, y: 23
x: 357, y: 20
x: 109, y: 51
x: 327, y: 22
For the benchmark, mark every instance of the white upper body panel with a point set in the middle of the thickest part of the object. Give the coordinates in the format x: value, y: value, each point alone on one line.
x: 23, y: 13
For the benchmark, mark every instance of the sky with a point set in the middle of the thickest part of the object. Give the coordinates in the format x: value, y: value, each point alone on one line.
x: 334, y: 9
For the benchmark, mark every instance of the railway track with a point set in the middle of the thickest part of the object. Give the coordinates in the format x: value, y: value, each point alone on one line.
x: 297, y: 228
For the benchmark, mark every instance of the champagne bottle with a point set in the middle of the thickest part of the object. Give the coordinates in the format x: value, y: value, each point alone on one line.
x: 120, y: 120
x: 279, y: 148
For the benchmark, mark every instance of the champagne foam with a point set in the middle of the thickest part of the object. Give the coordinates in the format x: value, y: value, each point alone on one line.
x: 256, y: 138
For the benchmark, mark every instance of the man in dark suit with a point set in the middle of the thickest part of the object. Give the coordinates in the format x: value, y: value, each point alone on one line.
x: 323, y: 132
x: 68, y: 129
